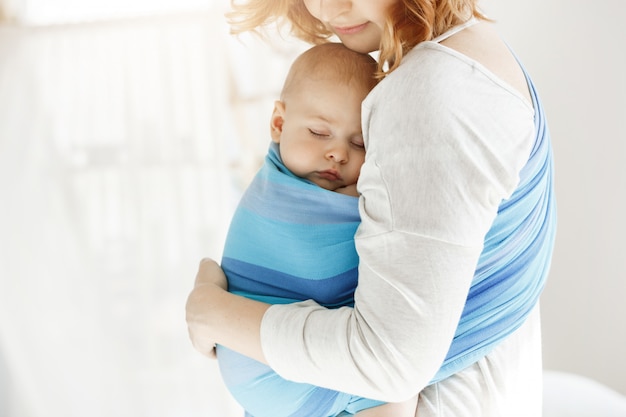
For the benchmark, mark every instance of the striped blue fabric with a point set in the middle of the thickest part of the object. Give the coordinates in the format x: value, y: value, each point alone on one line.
x: 291, y: 240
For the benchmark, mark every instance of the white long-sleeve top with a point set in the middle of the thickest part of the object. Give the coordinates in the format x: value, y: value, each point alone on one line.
x: 445, y: 140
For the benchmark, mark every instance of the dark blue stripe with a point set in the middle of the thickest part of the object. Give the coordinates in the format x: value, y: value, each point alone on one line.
x: 254, y: 281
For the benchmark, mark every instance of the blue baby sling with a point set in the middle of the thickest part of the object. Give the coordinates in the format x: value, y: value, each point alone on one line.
x: 291, y: 240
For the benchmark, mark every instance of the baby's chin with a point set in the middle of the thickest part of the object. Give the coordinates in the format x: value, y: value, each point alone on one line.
x: 347, y: 190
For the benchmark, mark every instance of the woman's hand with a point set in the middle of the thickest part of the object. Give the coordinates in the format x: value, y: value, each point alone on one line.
x: 209, y: 272
x: 201, y: 314
x: 216, y: 316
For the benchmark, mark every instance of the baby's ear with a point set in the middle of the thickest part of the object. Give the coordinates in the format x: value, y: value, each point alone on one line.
x: 278, y: 118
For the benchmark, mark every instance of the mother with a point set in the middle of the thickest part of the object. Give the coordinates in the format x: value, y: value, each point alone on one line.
x: 458, y: 222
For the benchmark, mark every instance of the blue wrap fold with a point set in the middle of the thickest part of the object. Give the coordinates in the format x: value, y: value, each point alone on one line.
x: 291, y: 240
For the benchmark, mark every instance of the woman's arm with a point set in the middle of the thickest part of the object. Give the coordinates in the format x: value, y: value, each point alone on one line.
x: 217, y: 316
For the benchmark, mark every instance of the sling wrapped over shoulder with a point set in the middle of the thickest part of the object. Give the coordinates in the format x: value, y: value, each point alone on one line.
x: 515, y: 261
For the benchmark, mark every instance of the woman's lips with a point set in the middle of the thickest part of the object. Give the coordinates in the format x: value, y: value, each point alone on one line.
x: 349, y: 30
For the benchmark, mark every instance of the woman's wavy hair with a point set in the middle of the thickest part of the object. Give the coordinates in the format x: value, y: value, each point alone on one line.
x: 409, y: 23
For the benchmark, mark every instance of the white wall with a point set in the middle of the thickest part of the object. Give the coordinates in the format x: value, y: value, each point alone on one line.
x: 576, y: 53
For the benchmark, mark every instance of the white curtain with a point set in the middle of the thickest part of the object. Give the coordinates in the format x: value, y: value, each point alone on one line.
x: 123, y: 150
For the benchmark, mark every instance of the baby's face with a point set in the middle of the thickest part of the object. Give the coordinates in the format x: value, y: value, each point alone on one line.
x: 320, y: 132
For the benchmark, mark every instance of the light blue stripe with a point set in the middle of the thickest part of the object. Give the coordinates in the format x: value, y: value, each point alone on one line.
x: 313, y: 252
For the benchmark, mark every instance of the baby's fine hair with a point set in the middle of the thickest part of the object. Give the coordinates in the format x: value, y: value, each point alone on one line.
x: 409, y: 22
x: 335, y: 62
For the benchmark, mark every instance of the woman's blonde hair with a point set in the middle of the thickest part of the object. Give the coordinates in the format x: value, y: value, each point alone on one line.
x: 409, y: 22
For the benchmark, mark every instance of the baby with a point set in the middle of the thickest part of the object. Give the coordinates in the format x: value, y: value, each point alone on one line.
x: 292, y: 236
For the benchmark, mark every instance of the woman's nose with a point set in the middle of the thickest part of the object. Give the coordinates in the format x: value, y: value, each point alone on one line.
x: 330, y: 9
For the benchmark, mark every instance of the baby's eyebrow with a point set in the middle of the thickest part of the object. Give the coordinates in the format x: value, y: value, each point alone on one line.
x: 323, y: 118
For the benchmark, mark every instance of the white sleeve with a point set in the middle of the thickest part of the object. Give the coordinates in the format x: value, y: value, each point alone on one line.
x: 443, y: 151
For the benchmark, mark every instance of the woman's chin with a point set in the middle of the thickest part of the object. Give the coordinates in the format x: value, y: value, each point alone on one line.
x: 362, y: 43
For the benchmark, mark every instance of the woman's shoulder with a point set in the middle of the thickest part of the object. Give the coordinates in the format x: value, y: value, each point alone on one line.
x: 482, y: 44
x: 437, y: 71
x: 433, y: 77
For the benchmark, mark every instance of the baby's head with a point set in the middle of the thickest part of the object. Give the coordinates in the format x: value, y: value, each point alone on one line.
x: 331, y: 63
x: 317, y: 121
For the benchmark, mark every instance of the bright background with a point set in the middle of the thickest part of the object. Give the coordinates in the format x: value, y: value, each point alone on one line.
x: 128, y: 129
